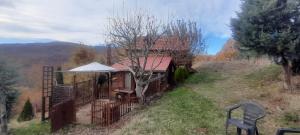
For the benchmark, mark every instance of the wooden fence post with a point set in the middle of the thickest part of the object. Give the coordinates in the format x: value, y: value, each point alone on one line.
x: 43, y: 109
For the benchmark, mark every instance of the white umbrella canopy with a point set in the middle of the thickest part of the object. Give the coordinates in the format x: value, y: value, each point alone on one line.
x: 93, y: 67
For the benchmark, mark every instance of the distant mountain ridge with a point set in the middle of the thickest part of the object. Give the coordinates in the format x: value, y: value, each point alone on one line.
x: 28, y: 58
x: 51, y: 53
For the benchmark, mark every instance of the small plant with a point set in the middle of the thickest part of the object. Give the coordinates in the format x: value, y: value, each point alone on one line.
x: 291, y: 117
x: 27, y: 113
x: 181, y: 74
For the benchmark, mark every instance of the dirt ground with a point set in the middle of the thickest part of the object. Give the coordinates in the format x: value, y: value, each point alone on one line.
x: 83, y: 115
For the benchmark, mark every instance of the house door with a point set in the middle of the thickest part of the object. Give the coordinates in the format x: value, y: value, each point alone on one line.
x: 128, y: 81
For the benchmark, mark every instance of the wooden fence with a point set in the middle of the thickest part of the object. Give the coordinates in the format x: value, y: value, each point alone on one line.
x: 107, y: 112
x: 83, y: 92
x: 61, y: 93
x: 102, y: 92
x: 62, y: 114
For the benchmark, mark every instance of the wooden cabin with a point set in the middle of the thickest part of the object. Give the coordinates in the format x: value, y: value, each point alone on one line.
x: 172, y: 47
x: 123, y: 80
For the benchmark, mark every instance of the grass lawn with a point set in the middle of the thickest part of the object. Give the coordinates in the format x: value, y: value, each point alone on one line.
x: 32, y: 129
x: 179, y: 112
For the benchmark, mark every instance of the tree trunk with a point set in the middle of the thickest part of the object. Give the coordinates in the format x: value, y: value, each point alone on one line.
x: 139, y: 92
x: 287, y: 77
x: 3, y: 116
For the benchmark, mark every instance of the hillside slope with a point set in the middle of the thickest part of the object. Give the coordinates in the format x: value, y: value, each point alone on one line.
x: 215, y: 86
x: 197, y: 107
x: 30, y: 57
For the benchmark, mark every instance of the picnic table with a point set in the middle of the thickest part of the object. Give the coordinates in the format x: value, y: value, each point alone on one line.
x: 126, y: 92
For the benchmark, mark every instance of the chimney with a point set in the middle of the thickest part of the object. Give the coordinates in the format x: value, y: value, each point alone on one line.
x: 108, y: 53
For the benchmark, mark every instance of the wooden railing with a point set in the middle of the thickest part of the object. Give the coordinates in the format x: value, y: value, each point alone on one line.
x: 61, y: 93
x: 107, y: 112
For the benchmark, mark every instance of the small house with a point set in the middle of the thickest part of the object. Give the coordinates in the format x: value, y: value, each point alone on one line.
x: 163, y: 69
x: 172, y: 47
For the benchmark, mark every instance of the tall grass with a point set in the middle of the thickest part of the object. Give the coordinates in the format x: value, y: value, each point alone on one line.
x: 264, y: 75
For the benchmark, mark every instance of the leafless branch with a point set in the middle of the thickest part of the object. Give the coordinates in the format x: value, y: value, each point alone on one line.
x: 135, y: 37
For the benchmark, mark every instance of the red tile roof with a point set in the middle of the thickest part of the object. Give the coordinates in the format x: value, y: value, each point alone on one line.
x: 160, y: 64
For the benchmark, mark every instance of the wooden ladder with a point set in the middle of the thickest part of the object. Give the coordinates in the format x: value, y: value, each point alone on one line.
x: 47, y: 88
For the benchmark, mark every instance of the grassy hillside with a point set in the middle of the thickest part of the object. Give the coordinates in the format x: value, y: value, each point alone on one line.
x: 197, y: 107
x: 179, y: 112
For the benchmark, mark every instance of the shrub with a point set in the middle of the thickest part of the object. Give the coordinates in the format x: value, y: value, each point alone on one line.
x: 27, y: 113
x: 181, y: 74
x: 291, y: 117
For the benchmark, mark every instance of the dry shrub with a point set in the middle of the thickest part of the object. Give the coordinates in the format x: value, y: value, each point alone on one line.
x: 228, y: 52
x: 33, y: 75
x: 83, y: 55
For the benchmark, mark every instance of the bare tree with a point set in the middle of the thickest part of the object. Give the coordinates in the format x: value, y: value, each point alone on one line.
x: 134, y: 37
x: 8, y: 94
x: 190, y: 37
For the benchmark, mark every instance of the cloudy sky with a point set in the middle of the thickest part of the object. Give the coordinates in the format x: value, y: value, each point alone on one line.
x: 85, y: 21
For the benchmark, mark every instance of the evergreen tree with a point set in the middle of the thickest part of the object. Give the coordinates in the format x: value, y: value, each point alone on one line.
x: 181, y: 74
x: 8, y: 94
x: 27, y: 113
x: 270, y: 27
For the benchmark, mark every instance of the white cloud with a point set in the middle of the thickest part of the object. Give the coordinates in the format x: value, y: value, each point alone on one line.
x: 86, y: 21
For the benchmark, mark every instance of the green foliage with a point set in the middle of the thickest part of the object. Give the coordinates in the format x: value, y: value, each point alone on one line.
x: 8, y: 80
x: 181, y: 74
x: 59, y: 76
x: 27, y: 113
x: 269, y: 27
x: 204, y: 77
x: 33, y: 129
